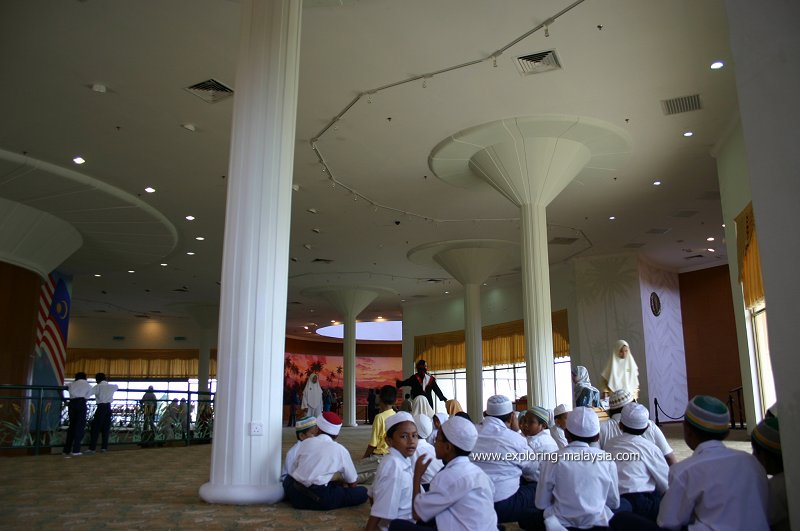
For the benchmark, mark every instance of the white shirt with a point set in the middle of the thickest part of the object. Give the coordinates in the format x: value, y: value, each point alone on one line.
x: 494, y: 437
x: 610, y: 429
x: 423, y: 448
x: 716, y: 489
x: 460, y: 498
x: 319, y: 458
x: 104, y: 392
x: 647, y: 473
x: 559, y: 436
x: 288, y: 463
x: 80, y: 389
x: 392, y: 489
x: 578, y: 493
x: 541, y: 443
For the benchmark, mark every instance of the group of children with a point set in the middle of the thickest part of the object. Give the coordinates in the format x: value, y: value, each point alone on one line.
x: 514, y: 469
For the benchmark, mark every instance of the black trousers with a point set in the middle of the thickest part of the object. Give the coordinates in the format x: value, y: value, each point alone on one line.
x: 77, y: 425
x: 322, y: 497
x: 100, y: 425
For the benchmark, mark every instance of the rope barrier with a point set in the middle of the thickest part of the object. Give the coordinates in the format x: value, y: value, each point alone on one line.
x: 658, y: 408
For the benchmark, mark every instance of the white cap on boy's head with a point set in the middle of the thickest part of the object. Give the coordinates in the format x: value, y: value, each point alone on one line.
x: 559, y: 410
x: 397, y: 418
x: 583, y: 422
x: 498, y: 405
x: 424, y: 425
x: 635, y: 416
x: 461, y: 433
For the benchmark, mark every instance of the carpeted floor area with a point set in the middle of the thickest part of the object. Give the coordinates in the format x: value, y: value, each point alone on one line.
x: 156, y: 489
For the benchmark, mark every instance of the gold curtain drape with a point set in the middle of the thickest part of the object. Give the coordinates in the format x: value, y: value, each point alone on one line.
x: 502, y: 344
x: 123, y: 364
x: 748, y: 258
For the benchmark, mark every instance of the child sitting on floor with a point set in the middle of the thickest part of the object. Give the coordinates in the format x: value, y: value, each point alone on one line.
x: 767, y: 449
x: 579, y: 489
x: 460, y: 497
x: 534, y: 427
x: 424, y: 427
x: 377, y: 442
x: 560, y: 415
x: 304, y: 428
x: 309, y: 485
x: 391, y: 491
x: 641, y: 468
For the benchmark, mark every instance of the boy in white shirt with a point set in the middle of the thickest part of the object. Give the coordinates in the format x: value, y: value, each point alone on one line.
x: 641, y: 469
x: 610, y: 428
x: 309, y: 485
x: 460, y: 497
x: 424, y: 427
x: 391, y: 491
x: 438, y: 419
x: 767, y: 449
x: 304, y: 428
x: 560, y: 415
x: 579, y: 489
x: 534, y: 427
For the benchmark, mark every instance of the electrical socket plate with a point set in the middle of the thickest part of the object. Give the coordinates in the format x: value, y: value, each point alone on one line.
x: 256, y: 428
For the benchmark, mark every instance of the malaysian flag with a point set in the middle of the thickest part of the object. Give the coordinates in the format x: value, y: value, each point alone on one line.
x: 51, y: 332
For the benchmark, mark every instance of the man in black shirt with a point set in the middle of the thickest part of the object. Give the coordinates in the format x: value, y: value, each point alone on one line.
x: 423, y: 383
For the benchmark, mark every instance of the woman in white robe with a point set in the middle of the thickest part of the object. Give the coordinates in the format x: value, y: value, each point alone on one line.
x: 621, y: 371
x: 312, y: 397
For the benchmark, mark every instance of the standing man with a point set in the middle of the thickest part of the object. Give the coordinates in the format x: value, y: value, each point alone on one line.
x: 148, y: 404
x: 79, y: 391
x: 104, y: 395
x: 423, y: 383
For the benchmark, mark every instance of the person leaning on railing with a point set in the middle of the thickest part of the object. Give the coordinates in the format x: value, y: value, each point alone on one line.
x: 104, y: 395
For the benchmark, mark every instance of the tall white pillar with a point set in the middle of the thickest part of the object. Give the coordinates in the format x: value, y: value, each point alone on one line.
x: 245, y: 467
x: 530, y: 160
x: 349, y: 301
x: 470, y: 262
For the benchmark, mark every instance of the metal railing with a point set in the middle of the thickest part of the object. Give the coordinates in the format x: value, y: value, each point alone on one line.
x: 36, y: 418
x: 740, y: 407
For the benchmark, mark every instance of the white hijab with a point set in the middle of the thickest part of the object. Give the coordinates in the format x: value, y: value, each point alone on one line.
x: 420, y: 406
x: 312, y: 394
x: 621, y: 373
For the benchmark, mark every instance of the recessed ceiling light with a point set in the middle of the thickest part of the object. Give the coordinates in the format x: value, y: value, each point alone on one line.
x: 710, y: 239
x: 446, y: 292
x: 190, y: 218
x: 99, y: 87
x: 131, y: 271
x: 688, y: 133
x: 307, y: 246
x: 656, y: 183
x: 716, y: 65
x: 305, y: 327
x: 312, y: 211
x: 149, y: 189
x: 163, y: 265
x: 190, y: 253
x: 189, y: 127
x: 98, y: 275
x: 612, y: 218
x: 402, y: 300
x: 78, y: 160
x: 333, y: 321
x: 316, y: 230
x: 199, y: 238
x: 710, y: 250
x: 723, y: 225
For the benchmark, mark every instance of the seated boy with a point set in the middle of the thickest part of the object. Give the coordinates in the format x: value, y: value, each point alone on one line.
x: 579, y: 489
x: 513, y: 499
x: 534, y: 427
x: 309, y: 485
x: 377, y: 442
x: 424, y: 428
x: 304, y: 428
x: 611, y: 429
x: 460, y: 497
x: 641, y: 469
x: 391, y: 492
x: 560, y: 415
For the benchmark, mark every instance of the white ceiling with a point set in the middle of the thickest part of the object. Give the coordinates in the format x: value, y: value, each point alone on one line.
x: 620, y: 59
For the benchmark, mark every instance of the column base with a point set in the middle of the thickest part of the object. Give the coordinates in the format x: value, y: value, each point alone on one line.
x: 241, y: 494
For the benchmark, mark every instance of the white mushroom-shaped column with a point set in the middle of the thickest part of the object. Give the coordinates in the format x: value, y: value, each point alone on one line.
x: 530, y: 160
x: 349, y: 301
x: 470, y: 262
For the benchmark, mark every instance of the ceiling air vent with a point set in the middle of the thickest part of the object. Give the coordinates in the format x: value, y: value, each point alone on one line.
x: 560, y: 240
x: 633, y: 245
x: 539, y: 62
x: 682, y: 104
x: 693, y: 257
x: 684, y: 213
x: 658, y: 231
x: 322, y: 261
x: 210, y: 91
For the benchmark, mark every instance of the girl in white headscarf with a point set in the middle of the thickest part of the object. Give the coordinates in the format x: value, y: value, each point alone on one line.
x: 621, y: 372
x: 420, y: 406
x: 312, y: 397
x: 584, y: 394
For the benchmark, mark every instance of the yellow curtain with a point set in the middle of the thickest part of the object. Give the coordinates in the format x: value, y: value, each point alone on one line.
x: 748, y: 258
x: 502, y: 344
x: 123, y: 364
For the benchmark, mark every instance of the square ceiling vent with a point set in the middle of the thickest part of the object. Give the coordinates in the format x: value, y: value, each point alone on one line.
x: 681, y: 104
x: 210, y: 90
x: 536, y: 63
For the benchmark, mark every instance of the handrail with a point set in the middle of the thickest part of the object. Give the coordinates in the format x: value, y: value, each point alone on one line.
x: 739, y: 400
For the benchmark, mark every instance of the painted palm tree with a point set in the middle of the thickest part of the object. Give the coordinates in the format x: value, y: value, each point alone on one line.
x: 339, y: 373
